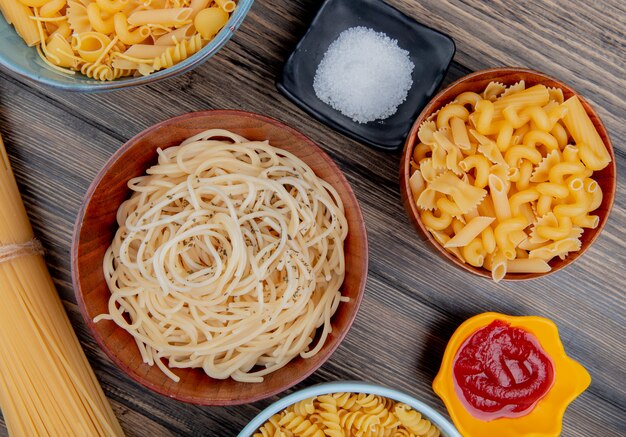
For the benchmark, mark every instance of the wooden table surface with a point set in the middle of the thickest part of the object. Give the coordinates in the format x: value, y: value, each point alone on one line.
x: 58, y: 141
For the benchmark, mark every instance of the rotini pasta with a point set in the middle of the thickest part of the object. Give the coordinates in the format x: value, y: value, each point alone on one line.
x: 108, y: 39
x: 503, y: 179
x: 348, y: 415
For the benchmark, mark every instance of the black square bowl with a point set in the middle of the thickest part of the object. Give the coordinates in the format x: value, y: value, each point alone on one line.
x: 430, y: 50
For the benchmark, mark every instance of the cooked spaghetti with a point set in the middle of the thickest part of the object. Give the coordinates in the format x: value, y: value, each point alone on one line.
x: 228, y: 257
x: 46, y: 384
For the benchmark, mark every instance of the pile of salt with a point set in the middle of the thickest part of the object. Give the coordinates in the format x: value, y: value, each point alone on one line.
x: 364, y: 75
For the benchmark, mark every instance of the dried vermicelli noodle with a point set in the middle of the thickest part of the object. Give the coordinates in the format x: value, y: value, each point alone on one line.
x: 228, y: 257
x: 46, y: 384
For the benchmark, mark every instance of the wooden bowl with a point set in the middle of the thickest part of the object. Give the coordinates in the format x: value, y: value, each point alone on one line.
x: 96, y: 225
x: 477, y: 82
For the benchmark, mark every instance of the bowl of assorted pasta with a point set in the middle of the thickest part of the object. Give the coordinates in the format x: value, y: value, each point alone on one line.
x: 219, y: 258
x: 99, y: 45
x: 349, y: 408
x: 509, y: 174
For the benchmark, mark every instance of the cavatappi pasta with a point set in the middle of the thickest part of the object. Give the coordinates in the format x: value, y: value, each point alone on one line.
x: 504, y: 179
x: 348, y: 415
x: 229, y: 256
x: 108, y: 39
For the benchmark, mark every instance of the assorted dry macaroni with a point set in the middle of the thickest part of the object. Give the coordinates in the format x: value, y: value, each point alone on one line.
x: 348, y: 415
x: 504, y: 179
x: 107, y: 39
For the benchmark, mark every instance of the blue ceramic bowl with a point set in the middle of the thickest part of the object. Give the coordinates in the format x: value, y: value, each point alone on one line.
x: 24, y: 61
x: 447, y: 429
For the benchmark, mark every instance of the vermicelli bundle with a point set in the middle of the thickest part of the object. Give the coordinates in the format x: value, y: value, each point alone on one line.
x: 46, y: 384
x: 228, y: 257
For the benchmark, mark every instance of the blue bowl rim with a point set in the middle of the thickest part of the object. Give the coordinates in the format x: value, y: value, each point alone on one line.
x: 243, y: 6
x: 446, y: 427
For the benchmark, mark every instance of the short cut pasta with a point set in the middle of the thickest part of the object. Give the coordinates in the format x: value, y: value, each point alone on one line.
x: 347, y: 415
x: 503, y: 179
x: 108, y: 39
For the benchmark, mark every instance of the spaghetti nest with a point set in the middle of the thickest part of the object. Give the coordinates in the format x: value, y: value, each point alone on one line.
x: 228, y: 257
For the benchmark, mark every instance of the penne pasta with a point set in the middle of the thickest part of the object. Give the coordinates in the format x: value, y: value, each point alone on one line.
x: 527, y: 265
x: 174, y: 37
x: 144, y: 51
x: 499, y: 197
x: 166, y: 17
x: 537, y: 95
x: 499, y: 266
x: 442, y: 238
x: 592, y: 150
x: 470, y: 231
x: 19, y: 15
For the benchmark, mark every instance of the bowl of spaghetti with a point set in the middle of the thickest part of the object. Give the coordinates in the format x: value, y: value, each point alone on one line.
x: 350, y: 408
x: 508, y: 174
x: 109, y: 45
x: 219, y: 257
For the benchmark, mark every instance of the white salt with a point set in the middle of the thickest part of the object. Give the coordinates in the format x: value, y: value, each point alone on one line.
x: 364, y: 75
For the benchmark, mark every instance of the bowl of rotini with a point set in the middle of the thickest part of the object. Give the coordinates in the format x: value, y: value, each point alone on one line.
x: 508, y: 174
x: 349, y: 408
x: 100, y: 45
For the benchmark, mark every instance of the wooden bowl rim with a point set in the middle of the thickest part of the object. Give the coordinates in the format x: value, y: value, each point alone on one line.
x: 203, y: 400
x: 405, y: 168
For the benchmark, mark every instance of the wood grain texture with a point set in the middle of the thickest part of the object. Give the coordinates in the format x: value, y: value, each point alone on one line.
x: 414, y: 300
x: 477, y: 82
x: 96, y: 226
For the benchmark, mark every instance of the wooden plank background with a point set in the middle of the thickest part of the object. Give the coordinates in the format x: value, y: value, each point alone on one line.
x: 58, y: 141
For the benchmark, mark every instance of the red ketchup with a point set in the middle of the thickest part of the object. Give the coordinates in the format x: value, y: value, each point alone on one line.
x: 500, y: 371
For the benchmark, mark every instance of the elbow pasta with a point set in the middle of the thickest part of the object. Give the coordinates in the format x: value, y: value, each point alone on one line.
x: 348, y: 415
x: 503, y: 178
x: 108, y: 39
